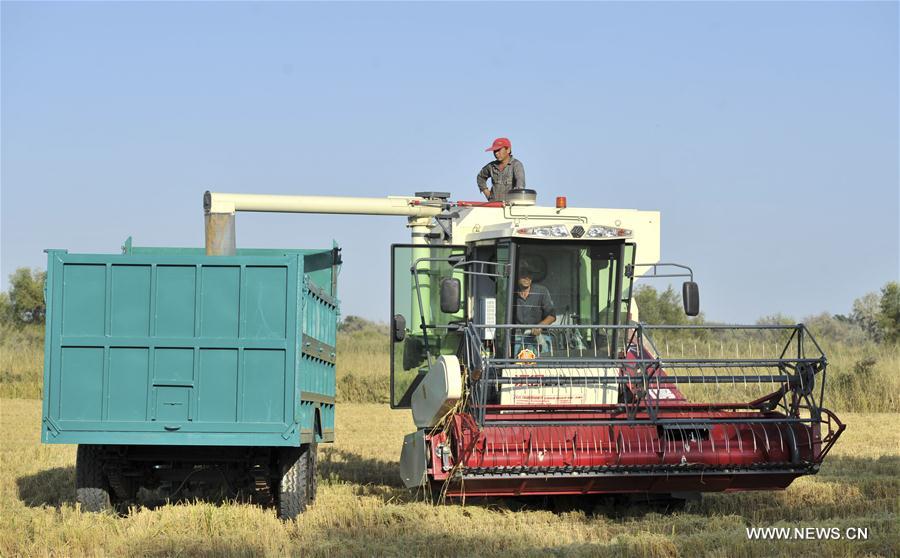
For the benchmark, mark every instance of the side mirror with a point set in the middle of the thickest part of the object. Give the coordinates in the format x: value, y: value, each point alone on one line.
x: 690, y: 295
x: 398, y: 328
x: 450, y: 288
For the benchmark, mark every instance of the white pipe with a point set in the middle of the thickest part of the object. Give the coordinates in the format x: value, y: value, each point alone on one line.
x: 218, y: 202
x: 419, y: 227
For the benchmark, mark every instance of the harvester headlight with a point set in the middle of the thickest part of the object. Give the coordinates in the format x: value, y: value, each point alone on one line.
x: 600, y: 231
x: 547, y: 231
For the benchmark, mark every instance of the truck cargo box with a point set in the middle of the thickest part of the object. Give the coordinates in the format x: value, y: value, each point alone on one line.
x: 169, y: 346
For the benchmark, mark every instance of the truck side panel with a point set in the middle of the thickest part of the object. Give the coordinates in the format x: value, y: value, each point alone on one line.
x: 317, y: 358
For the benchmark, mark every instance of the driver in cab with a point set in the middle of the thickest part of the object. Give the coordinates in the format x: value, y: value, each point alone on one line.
x: 533, y: 306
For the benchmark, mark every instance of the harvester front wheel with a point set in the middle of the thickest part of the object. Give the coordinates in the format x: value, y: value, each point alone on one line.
x: 92, y: 488
x: 294, y: 486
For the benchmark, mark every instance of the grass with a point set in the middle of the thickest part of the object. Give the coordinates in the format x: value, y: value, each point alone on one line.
x: 861, y: 378
x: 363, y: 509
x: 21, y: 361
x: 363, y: 364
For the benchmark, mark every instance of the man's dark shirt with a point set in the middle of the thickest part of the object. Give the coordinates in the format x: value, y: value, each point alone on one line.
x: 511, y: 177
x: 535, y: 307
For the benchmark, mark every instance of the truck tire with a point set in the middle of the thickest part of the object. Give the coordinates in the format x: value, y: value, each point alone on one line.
x: 91, y: 485
x: 313, y: 473
x: 292, y: 495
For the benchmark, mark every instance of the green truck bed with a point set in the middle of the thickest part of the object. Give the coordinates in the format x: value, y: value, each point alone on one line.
x: 168, y: 346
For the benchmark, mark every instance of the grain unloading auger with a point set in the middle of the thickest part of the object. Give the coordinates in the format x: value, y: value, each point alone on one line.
x: 591, y: 401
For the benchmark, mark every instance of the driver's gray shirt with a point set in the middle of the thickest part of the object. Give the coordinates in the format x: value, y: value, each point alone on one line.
x: 511, y: 177
x: 535, y: 307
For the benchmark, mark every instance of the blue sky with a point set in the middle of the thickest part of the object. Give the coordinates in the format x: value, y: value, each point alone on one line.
x: 765, y: 133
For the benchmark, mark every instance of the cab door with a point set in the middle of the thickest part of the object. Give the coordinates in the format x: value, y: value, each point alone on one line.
x: 420, y: 331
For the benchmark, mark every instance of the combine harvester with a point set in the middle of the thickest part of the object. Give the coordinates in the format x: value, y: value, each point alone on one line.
x: 594, y: 403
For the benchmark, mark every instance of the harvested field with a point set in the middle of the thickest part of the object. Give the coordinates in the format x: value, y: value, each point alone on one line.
x: 363, y: 509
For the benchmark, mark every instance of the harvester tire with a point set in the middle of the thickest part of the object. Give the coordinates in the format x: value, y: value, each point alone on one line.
x: 293, y: 487
x: 92, y: 489
x: 313, y: 473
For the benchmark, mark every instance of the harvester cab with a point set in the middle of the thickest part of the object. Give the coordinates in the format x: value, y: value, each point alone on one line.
x: 517, y: 345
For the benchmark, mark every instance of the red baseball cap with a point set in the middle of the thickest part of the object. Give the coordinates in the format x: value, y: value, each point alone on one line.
x: 498, y: 143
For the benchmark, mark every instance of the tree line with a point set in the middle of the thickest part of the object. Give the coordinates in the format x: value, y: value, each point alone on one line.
x: 24, y: 303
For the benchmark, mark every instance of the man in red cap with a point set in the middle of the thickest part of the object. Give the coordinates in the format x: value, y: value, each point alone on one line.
x: 506, y: 173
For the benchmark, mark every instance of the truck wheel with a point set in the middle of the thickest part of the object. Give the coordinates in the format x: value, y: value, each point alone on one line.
x: 293, y: 487
x: 122, y: 490
x: 313, y: 466
x: 91, y: 485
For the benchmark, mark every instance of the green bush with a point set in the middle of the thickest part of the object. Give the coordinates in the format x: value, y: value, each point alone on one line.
x: 24, y: 303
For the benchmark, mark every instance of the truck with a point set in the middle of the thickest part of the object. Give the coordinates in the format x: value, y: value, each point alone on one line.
x: 172, y: 369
